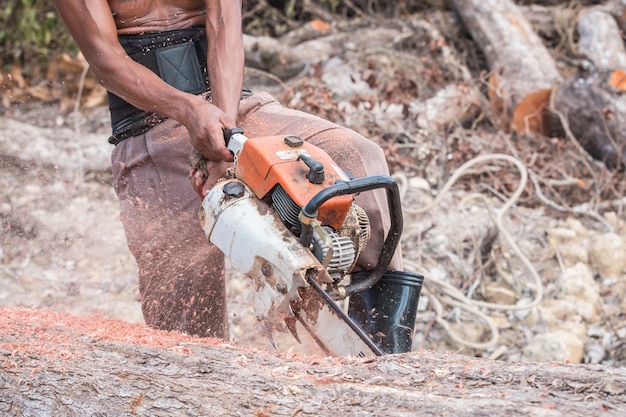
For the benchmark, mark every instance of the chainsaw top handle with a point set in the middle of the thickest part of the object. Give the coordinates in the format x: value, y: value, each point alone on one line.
x: 310, y: 210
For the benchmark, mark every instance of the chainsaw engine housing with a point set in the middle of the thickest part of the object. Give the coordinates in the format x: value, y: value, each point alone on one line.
x: 287, y: 173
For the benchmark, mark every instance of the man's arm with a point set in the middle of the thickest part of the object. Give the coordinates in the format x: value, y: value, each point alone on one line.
x: 225, y: 53
x: 92, y: 26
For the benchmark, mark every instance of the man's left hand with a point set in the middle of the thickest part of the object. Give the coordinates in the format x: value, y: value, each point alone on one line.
x: 204, y: 177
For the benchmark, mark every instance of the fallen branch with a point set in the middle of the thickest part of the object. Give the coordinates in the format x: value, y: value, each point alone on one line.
x: 286, y: 58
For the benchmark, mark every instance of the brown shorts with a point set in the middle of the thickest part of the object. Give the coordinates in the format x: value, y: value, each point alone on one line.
x: 181, y: 275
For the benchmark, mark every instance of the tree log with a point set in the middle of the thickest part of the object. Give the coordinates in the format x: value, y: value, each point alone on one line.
x: 617, y: 8
x: 554, y: 2
x: 62, y: 365
x: 285, y: 57
x: 600, y: 39
x: 523, y: 71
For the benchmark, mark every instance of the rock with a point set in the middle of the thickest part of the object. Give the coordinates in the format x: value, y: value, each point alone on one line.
x: 612, y: 218
x: 498, y: 293
x: 577, y: 284
x: 450, y: 105
x: 343, y: 79
x: 556, y: 315
x: 577, y: 226
x: 419, y: 183
x: 557, y: 346
x: 567, y: 242
x: 607, y: 254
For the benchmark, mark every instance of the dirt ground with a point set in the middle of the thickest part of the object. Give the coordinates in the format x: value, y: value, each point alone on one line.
x: 538, y: 275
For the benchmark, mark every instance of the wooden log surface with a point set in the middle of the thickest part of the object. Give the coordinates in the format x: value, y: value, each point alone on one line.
x: 523, y: 70
x: 54, y: 364
x: 617, y: 8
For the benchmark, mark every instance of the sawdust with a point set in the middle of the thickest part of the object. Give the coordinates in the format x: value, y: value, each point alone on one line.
x: 53, y: 336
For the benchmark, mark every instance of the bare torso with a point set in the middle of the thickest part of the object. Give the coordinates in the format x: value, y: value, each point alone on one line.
x: 136, y: 16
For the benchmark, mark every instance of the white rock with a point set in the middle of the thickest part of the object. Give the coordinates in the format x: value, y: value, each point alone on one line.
x: 577, y: 226
x: 557, y: 346
x: 560, y: 235
x: 607, y: 253
x: 393, y: 110
x: 419, y: 183
x: 577, y: 284
x: 448, y: 105
x: 612, y: 218
x: 568, y: 244
x: 344, y: 79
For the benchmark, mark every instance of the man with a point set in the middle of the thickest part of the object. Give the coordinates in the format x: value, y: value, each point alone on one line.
x: 171, y: 90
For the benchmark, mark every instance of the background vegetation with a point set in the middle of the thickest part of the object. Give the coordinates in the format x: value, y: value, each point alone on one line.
x: 31, y: 31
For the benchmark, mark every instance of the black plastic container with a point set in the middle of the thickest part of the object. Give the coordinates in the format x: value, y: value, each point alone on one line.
x: 387, y: 310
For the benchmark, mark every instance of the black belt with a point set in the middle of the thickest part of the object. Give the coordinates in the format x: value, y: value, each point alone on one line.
x: 178, y: 57
x: 144, y: 121
x: 134, y: 126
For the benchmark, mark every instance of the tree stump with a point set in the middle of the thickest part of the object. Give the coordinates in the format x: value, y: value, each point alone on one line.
x: 591, y: 104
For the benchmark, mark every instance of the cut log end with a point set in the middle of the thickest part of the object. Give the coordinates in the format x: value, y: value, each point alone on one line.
x: 531, y: 114
x: 617, y: 80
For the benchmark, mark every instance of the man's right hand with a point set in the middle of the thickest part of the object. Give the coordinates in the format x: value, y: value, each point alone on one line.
x: 206, y: 125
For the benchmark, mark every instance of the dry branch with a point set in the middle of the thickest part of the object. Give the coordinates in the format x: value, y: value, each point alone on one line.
x: 56, y: 364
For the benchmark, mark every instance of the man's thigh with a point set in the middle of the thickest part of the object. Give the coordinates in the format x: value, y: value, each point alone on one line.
x: 181, y: 276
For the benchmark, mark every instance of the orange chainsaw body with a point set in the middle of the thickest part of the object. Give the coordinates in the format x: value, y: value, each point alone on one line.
x: 268, y: 161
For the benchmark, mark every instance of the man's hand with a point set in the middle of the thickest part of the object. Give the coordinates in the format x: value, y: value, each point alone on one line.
x: 206, y: 127
x: 204, y: 177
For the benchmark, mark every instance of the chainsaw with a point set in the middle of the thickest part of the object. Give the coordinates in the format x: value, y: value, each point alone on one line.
x: 285, y: 216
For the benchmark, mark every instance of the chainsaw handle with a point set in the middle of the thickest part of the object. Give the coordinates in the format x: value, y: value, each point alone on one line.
x: 228, y: 133
x: 310, y: 210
